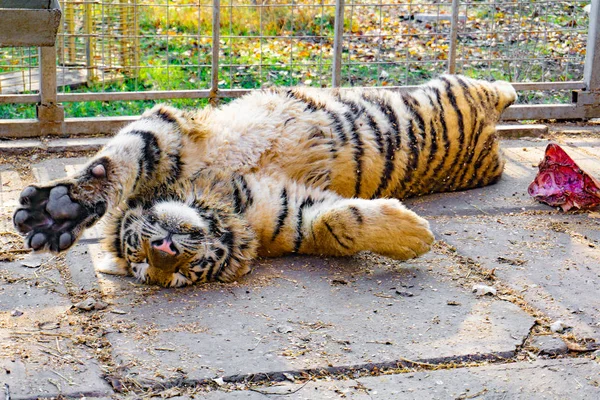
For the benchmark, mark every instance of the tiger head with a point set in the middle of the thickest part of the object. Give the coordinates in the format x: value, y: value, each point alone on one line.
x: 175, y: 243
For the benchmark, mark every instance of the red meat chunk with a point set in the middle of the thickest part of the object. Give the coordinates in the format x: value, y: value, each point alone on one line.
x: 560, y: 182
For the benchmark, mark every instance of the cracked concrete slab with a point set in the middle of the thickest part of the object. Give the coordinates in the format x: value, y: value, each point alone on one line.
x: 300, y: 313
x: 547, y: 379
x: 538, y: 256
x: 39, y: 354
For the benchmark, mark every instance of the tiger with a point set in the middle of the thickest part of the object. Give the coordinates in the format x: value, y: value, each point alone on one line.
x: 197, y: 195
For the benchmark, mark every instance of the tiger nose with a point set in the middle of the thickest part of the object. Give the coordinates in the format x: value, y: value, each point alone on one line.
x: 165, y: 245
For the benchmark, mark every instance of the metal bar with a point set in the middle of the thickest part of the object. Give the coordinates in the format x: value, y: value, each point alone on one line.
x: 544, y: 111
x: 48, y: 75
x: 109, y: 125
x: 20, y: 98
x: 227, y: 93
x: 22, y: 128
x: 567, y: 85
x: 453, y: 37
x: 27, y: 128
x: 338, y: 44
x: 591, y: 70
x: 216, y: 37
x: 50, y: 114
x: 89, y: 42
x: 151, y: 95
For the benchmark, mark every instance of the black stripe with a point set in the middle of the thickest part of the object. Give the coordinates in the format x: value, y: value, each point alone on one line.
x: 485, y: 151
x: 176, y: 167
x: 434, y: 138
x: 282, y: 214
x: 355, y: 112
x: 313, y: 106
x: 413, y: 143
x: 247, y: 192
x: 166, y: 116
x: 413, y: 106
x: 445, y: 141
x: 242, y: 195
x: 237, y: 199
x: 469, y: 151
x: 228, y: 240
x: 150, y: 152
x: 376, y: 132
x: 335, y: 236
x: 117, y: 240
x: 357, y: 214
x: 308, y: 202
x: 388, y: 168
x: 393, y: 132
x: 493, y: 166
x: 389, y: 113
x: 459, y: 116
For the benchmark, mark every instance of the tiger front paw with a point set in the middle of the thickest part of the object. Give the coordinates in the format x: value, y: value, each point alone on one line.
x: 52, y: 218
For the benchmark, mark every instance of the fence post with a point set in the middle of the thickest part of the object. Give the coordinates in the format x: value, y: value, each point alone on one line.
x: 51, y: 115
x: 338, y: 42
x: 589, y: 99
x: 453, y: 37
x: 216, y: 46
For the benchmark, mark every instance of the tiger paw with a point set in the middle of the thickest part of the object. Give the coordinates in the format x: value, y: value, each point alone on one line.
x: 403, y: 234
x: 383, y: 226
x: 52, y: 219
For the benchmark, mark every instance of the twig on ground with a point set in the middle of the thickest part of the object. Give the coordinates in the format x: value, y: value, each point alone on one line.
x: 57, y: 384
x: 278, y: 394
x: 257, y: 343
x: 68, y: 380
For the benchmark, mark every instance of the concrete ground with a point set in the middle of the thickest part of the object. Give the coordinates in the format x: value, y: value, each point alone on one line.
x: 323, y: 328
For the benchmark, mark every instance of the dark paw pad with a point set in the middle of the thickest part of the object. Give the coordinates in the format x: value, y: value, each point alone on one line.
x: 51, y: 219
x: 60, y: 206
x: 38, y: 241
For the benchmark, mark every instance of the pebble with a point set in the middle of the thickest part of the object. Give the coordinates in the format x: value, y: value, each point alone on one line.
x: 482, y: 290
x: 16, y: 313
x: 558, y: 326
x: 91, y: 304
x: 285, y: 329
x: 32, y: 261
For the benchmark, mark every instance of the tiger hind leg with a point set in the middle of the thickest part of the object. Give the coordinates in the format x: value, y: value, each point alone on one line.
x: 383, y: 226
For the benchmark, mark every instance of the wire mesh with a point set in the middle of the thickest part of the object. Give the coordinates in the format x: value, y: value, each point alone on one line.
x: 143, y: 45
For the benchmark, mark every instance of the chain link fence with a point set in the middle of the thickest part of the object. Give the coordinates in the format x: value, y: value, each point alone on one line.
x: 116, y: 57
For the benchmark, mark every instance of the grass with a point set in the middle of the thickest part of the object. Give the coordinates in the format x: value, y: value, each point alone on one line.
x: 382, y: 47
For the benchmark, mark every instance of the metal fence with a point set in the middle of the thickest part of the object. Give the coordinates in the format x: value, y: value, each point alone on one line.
x: 142, y: 51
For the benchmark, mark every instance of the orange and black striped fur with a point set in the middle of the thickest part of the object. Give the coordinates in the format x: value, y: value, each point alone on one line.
x: 287, y: 170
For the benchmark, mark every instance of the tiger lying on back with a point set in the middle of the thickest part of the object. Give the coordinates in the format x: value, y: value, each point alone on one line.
x: 194, y: 197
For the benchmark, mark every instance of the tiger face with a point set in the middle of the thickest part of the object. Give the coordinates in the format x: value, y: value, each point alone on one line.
x: 175, y: 244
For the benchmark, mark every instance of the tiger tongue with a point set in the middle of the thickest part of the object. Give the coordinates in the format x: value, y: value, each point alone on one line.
x: 560, y: 182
